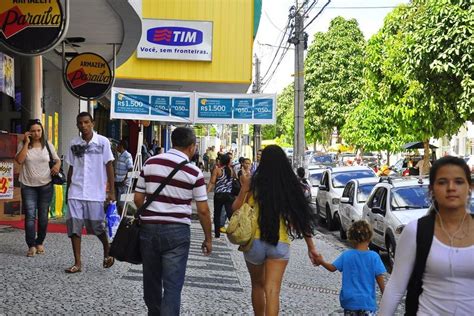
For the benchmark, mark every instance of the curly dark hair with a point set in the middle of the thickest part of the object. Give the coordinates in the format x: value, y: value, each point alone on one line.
x: 278, y: 193
x: 360, y: 231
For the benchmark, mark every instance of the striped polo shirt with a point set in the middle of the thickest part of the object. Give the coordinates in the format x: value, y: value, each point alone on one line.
x: 173, y: 204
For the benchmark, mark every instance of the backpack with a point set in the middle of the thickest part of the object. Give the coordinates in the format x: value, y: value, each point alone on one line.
x: 306, y: 190
x: 424, y: 239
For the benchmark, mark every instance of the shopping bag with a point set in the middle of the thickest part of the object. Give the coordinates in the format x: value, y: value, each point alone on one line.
x: 113, y: 220
x: 126, y: 244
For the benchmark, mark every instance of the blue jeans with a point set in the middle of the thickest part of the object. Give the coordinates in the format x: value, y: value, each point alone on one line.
x: 165, y: 250
x: 36, y: 198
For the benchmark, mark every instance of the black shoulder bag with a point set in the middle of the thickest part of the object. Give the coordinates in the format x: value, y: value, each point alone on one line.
x: 424, y: 239
x: 126, y: 244
x: 59, y: 178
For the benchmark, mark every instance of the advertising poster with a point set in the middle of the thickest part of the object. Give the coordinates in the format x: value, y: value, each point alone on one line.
x: 152, y: 105
x: 235, y: 108
x: 56, y: 130
x: 6, y: 180
x: 176, y: 40
x: 50, y: 128
x: 7, y: 75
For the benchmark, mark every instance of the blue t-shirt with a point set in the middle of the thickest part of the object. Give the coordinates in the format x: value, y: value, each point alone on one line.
x: 359, y: 270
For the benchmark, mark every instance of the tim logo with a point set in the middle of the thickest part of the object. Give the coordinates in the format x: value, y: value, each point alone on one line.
x: 174, y: 36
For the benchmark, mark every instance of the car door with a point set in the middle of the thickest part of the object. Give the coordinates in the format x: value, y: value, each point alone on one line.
x: 323, y: 193
x: 345, y: 208
x: 376, y: 215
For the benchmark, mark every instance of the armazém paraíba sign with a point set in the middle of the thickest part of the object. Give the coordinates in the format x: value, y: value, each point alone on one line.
x: 31, y: 27
x: 88, y: 76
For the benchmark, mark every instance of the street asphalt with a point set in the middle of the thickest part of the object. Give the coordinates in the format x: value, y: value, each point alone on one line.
x: 215, y: 285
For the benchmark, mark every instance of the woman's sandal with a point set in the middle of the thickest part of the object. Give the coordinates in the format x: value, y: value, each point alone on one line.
x: 108, y: 262
x: 73, y: 269
x: 40, y: 249
x: 31, y: 252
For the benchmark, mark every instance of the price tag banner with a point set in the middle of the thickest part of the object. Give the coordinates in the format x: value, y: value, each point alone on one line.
x: 152, y: 105
x: 215, y: 108
x: 243, y: 108
x: 6, y: 180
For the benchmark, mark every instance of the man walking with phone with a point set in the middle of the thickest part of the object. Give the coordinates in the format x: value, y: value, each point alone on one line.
x: 165, y: 232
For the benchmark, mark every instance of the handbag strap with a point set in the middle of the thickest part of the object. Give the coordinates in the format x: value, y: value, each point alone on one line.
x: 49, y: 151
x: 150, y: 198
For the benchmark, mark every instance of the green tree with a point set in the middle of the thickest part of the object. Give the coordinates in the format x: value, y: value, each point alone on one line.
x: 333, y: 77
x: 284, y: 127
x: 440, y: 51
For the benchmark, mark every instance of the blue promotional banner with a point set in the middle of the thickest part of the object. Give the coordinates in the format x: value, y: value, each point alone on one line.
x: 152, y: 105
x: 217, y: 108
x: 192, y: 107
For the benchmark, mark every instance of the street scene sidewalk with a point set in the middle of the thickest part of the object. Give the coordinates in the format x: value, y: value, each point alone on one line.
x: 215, y: 285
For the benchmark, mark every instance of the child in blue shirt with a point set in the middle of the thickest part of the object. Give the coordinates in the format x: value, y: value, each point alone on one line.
x: 360, y: 269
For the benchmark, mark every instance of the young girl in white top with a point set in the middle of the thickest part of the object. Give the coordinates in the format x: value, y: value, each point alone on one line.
x: 448, y: 278
x: 36, y: 185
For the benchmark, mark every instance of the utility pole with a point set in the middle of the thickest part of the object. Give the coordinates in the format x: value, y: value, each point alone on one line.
x: 257, y: 84
x: 299, y: 39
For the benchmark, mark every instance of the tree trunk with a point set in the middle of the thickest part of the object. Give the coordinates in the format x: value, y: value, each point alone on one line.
x: 426, y: 157
x: 388, y: 157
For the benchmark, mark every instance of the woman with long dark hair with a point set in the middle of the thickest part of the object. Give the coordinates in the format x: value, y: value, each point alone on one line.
x: 434, y: 259
x: 283, y: 214
x: 221, y: 181
x: 36, y: 185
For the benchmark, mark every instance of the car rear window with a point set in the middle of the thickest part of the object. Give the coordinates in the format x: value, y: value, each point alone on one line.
x: 315, y: 178
x: 321, y: 159
x: 410, y: 198
x: 339, y: 180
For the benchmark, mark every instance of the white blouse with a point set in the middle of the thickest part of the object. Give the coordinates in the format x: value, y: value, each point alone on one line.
x: 448, y: 281
x: 35, y: 170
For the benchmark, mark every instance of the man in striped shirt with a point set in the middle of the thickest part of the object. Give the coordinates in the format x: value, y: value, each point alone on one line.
x: 165, y: 234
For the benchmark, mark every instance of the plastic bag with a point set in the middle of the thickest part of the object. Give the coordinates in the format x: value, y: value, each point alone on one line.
x: 113, y: 220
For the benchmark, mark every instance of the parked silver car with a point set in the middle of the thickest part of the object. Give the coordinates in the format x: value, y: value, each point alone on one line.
x: 330, y: 191
x: 355, y: 194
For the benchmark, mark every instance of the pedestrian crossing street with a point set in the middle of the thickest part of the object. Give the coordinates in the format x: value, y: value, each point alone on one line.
x: 214, y: 272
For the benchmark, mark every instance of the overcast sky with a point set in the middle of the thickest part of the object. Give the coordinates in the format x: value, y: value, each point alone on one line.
x: 274, y: 19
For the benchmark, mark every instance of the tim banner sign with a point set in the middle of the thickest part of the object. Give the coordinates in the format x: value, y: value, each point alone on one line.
x: 176, y: 39
x: 152, y: 105
x: 30, y: 27
x: 189, y: 107
x: 88, y: 76
x: 235, y: 108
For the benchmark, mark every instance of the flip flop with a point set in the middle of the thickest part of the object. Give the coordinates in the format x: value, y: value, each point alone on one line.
x: 108, y: 262
x: 73, y: 269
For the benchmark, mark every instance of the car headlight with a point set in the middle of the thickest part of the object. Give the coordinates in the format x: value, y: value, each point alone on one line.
x: 335, y: 201
x: 399, y: 229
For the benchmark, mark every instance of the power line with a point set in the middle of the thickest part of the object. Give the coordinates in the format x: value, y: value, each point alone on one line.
x: 318, y: 14
x: 270, y: 45
x: 277, y: 65
x: 362, y: 8
x: 278, y: 49
x: 271, y: 22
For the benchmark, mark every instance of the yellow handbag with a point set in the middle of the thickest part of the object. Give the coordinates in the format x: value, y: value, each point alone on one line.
x: 242, y: 226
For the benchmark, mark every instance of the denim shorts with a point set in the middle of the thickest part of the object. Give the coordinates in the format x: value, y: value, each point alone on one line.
x: 261, y: 250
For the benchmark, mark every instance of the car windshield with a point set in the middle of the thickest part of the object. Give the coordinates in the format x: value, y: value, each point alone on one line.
x: 410, y: 198
x: 363, y: 192
x: 339, y: 180
x: 321, y: 159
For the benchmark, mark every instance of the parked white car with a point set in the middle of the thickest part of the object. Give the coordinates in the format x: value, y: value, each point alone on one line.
x: 392, y: 204
x: 314, y: 177
x: 330, y: 191
x: 355, y: 194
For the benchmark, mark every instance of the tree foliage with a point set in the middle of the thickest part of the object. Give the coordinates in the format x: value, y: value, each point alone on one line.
x: 284, y: 127
x: 333, y: 76
x: 440, y: 50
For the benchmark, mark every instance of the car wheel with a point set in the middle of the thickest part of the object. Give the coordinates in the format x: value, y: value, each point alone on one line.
x: 391, y: 246
x: 329, y: 220
x: 318, y: 213
x: 342, y: 232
